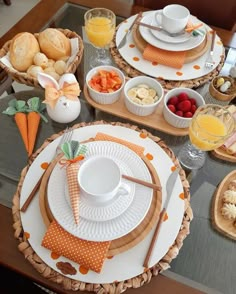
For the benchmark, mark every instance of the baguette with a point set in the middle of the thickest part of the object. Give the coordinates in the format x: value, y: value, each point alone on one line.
x: 23, y: 47
x: 54, y: 44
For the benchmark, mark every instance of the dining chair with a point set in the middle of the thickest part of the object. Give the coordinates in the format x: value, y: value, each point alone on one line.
x: 217, y: 13
x: 5, y: 83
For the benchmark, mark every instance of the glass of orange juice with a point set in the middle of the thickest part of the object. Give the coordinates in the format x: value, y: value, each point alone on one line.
x: 210, y: 126
x: 100, y: 24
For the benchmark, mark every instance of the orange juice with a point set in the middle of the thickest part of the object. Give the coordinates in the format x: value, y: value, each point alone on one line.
x: 100, y: 31
x: 207, y: 132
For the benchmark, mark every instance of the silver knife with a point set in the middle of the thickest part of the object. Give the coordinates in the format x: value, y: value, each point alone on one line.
x: 123, y: 41
x: 169, y: 190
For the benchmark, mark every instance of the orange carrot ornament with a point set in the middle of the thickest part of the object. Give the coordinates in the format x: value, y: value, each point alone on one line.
x: 18, y: 108
x: 74, y: 152
x: 35, y: 109
x: 27, y: 117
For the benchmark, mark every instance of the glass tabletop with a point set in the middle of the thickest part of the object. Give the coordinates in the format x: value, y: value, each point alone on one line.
x: 207, y: 257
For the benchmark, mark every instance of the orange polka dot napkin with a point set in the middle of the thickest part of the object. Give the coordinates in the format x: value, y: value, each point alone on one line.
x: 87, y: 253
x: 169, y: 58
x: 104, y: 137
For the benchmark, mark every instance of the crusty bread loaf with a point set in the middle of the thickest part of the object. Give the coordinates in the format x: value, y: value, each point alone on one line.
x: 23, y: 47
x: 54, y: 44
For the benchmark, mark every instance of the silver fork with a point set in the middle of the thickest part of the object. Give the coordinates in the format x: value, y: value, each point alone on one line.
x: 66, y: 137
x: 209, y: 61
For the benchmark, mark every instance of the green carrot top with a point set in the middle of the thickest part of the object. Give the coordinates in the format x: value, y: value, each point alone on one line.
x: 73, y: 149
x: 33, y: 104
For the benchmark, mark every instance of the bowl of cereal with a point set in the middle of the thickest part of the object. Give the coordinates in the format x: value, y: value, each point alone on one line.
x: 142, y: 95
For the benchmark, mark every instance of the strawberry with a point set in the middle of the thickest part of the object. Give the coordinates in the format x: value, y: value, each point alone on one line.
x: 183, y: 96
x: 188, y: 114
x: 184, y: 106
x: 171, y: 108
x: 193, y: 108
x: 192, y: 100
x: 173, y: 100
x: 179, y: 113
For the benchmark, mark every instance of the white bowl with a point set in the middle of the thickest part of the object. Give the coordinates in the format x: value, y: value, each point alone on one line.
x: 104, y: 98
x: 173, y: 119
x: 138, y: 109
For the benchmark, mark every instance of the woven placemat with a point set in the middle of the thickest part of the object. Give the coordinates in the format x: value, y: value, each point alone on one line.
x: 167, y: 84
x: 115, y: 287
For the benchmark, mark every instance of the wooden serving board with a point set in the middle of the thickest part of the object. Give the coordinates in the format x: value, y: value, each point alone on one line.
x: 221, y: 154
x: 224, y: 226
x: 155, y: 120
x: 191, y: 54
x: 126, y: 242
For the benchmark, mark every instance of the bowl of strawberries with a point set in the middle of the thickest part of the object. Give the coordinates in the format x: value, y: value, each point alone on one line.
x: 180, y: 105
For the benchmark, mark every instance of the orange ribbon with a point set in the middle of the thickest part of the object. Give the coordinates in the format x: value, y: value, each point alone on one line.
x: 71, y: 91
x: 66, y: 162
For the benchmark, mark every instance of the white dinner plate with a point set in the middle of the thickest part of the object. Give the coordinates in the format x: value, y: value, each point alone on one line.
x: 113, y: 228
x: 110, y: 209
x: 165, y: 37
x: 128, y: 264
x: 149, y: 37
x: 196, y: 69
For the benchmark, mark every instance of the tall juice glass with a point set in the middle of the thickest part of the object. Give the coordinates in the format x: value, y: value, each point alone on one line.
x: 210, y: 126
x: 100, y: 26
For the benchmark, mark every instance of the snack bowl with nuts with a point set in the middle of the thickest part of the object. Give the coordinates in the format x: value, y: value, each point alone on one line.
x: 142, y: 95
x: 223, y: 88
x: 105, y: 84
x: 179, y: 106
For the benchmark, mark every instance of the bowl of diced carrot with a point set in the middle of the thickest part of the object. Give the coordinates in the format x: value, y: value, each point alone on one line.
x: 105, y: 84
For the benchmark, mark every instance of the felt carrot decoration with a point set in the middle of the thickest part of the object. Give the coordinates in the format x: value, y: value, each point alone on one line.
x: 35, y: 108
x: 18, y: 108
x: 74, y: 152
x: 27, y: 117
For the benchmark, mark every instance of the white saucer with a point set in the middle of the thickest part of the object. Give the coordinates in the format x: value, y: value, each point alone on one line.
x: 148, y: 36
x: 163, y: 36
x: 113, y: 228
x: 110, y: 209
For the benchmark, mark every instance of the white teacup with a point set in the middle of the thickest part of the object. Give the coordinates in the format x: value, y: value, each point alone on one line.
x: 173, y: 18
x: 100, y: 180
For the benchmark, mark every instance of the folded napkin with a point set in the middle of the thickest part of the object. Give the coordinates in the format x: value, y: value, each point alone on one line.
x: 74, y: 153
x: 169, y: 58
x: 89, y: 254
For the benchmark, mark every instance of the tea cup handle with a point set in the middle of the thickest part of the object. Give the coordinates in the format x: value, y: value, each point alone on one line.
x: 124, y: 189
x: 158, y: 17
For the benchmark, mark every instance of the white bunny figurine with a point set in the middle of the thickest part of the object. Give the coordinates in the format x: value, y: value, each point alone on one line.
x: 61, y: 98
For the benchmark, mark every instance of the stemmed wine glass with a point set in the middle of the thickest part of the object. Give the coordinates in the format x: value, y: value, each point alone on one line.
x: 210, y: 126
x: 100, y: 26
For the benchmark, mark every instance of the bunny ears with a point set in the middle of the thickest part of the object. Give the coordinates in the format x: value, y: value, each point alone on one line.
x: 66, y: 86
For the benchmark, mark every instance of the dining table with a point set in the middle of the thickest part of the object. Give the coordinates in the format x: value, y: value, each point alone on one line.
x: 192, y: 256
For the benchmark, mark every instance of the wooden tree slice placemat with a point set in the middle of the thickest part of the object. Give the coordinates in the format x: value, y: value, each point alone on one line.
x: 167, y: 84
x: 115, y: 287
x: 191, y: 55
x: 128, y: 241
x: 224, y: 226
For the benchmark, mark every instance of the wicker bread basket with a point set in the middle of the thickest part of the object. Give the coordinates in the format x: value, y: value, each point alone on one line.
x: 23, y: 78
x: 226, y: 96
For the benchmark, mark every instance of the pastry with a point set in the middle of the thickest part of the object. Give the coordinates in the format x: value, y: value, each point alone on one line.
x: 229, y: 196
x: 54, y: 44
x: 229, y: 211
x: 22, y: 50
x: 232, y: 185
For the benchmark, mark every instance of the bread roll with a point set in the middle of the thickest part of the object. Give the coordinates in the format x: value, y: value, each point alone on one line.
x: 22, y: 50
x: 54, y: 44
